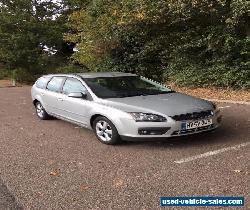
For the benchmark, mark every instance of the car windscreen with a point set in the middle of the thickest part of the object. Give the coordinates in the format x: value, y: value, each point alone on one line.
x: 124, y: 86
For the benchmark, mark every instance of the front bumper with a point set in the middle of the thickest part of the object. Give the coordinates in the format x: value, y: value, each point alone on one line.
x: 131, y: 130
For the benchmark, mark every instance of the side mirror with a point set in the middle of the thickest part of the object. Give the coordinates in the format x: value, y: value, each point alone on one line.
x: 77, y: 95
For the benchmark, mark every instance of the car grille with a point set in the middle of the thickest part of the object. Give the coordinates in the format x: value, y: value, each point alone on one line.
x: 193, y: 116
x: 181, y: 132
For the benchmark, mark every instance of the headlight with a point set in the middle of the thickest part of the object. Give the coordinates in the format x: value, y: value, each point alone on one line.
x: 147, y: 117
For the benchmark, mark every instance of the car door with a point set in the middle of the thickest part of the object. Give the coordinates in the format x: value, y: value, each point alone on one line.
x: 53, y: 96
x: 75, y: 109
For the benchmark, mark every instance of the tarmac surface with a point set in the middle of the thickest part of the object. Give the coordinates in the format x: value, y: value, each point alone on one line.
x: 57, y: 165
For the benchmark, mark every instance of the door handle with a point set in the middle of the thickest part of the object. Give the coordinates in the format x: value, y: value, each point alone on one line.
x: 60, y: 99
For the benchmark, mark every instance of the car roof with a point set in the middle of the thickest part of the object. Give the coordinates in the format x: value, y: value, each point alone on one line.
x: 95, y: 74
x: 104, y: 74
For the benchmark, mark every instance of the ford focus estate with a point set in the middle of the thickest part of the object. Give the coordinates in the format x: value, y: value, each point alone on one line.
x: 122, y: 106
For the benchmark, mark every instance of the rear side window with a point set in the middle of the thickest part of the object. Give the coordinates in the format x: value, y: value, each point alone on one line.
x: 42, y: 82
x: 55, y: 84
x: 73, y: 85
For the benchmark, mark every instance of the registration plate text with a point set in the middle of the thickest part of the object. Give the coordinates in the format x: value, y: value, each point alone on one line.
x: 196, y: 124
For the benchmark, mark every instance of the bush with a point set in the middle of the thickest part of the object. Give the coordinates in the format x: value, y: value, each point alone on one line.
x: 69, y: 69
x: 186, y: 73
x: 24, y: 76
x: 4, y: 73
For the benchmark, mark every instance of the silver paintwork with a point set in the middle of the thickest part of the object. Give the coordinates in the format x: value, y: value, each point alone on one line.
x: 81, y: 111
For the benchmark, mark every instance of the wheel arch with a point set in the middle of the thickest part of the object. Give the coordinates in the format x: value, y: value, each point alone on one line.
x: 93, y: 117
x: 37, y: 98
x: 35, y: 101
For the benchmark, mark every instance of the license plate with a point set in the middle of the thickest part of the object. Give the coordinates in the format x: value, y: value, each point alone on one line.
x: 196, y: 124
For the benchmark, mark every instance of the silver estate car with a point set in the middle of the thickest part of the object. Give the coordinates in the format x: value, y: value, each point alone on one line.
x: 122, y: 106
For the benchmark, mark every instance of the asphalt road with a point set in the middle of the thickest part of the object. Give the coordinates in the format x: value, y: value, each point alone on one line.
x: 7, y: 200
x: 57, y: 165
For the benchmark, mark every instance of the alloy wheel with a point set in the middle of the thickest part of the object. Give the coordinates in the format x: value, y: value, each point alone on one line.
x: 103, y: 130
x: 39, y: 110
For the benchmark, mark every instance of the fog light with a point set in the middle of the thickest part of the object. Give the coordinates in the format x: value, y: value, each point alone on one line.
x: 152, y: 131
x: 143, y: 132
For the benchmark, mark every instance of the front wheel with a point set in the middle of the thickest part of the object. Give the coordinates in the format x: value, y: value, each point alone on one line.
x: 106, y: 131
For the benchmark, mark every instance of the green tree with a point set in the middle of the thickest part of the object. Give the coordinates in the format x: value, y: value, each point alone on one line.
x: 190, y: 42
x: 31, y: 35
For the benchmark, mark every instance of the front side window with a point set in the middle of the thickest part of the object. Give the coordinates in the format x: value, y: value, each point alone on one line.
x: 55, y: 84
x: 72, y: 85
x: 125, y: 86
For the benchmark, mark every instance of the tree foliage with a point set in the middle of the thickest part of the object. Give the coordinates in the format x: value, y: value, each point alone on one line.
x: 31, y: 35
x: 192, y: 42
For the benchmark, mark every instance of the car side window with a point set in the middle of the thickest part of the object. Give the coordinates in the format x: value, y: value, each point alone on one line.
x: 55, y: 84
x: 72, y: 85
x: 42, y: 82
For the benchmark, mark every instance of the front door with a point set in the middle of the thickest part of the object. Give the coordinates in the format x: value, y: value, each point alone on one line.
x: 75, y: 109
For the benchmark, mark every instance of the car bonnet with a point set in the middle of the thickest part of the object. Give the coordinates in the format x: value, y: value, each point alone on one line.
x: 168, y: 104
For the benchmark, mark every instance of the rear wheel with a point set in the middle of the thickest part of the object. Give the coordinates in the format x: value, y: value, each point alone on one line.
x: 106, y: 131
x: 40, y: 111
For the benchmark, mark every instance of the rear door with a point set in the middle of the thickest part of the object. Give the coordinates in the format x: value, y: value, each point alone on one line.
x: 53, y: 96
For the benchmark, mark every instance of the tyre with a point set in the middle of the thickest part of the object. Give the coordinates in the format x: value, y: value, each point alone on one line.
x: 106, y: 131
x: 40, y: 111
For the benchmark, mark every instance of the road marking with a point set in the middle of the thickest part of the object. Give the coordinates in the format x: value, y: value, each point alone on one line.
x: 223, y: 107
x: 211, y: 153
